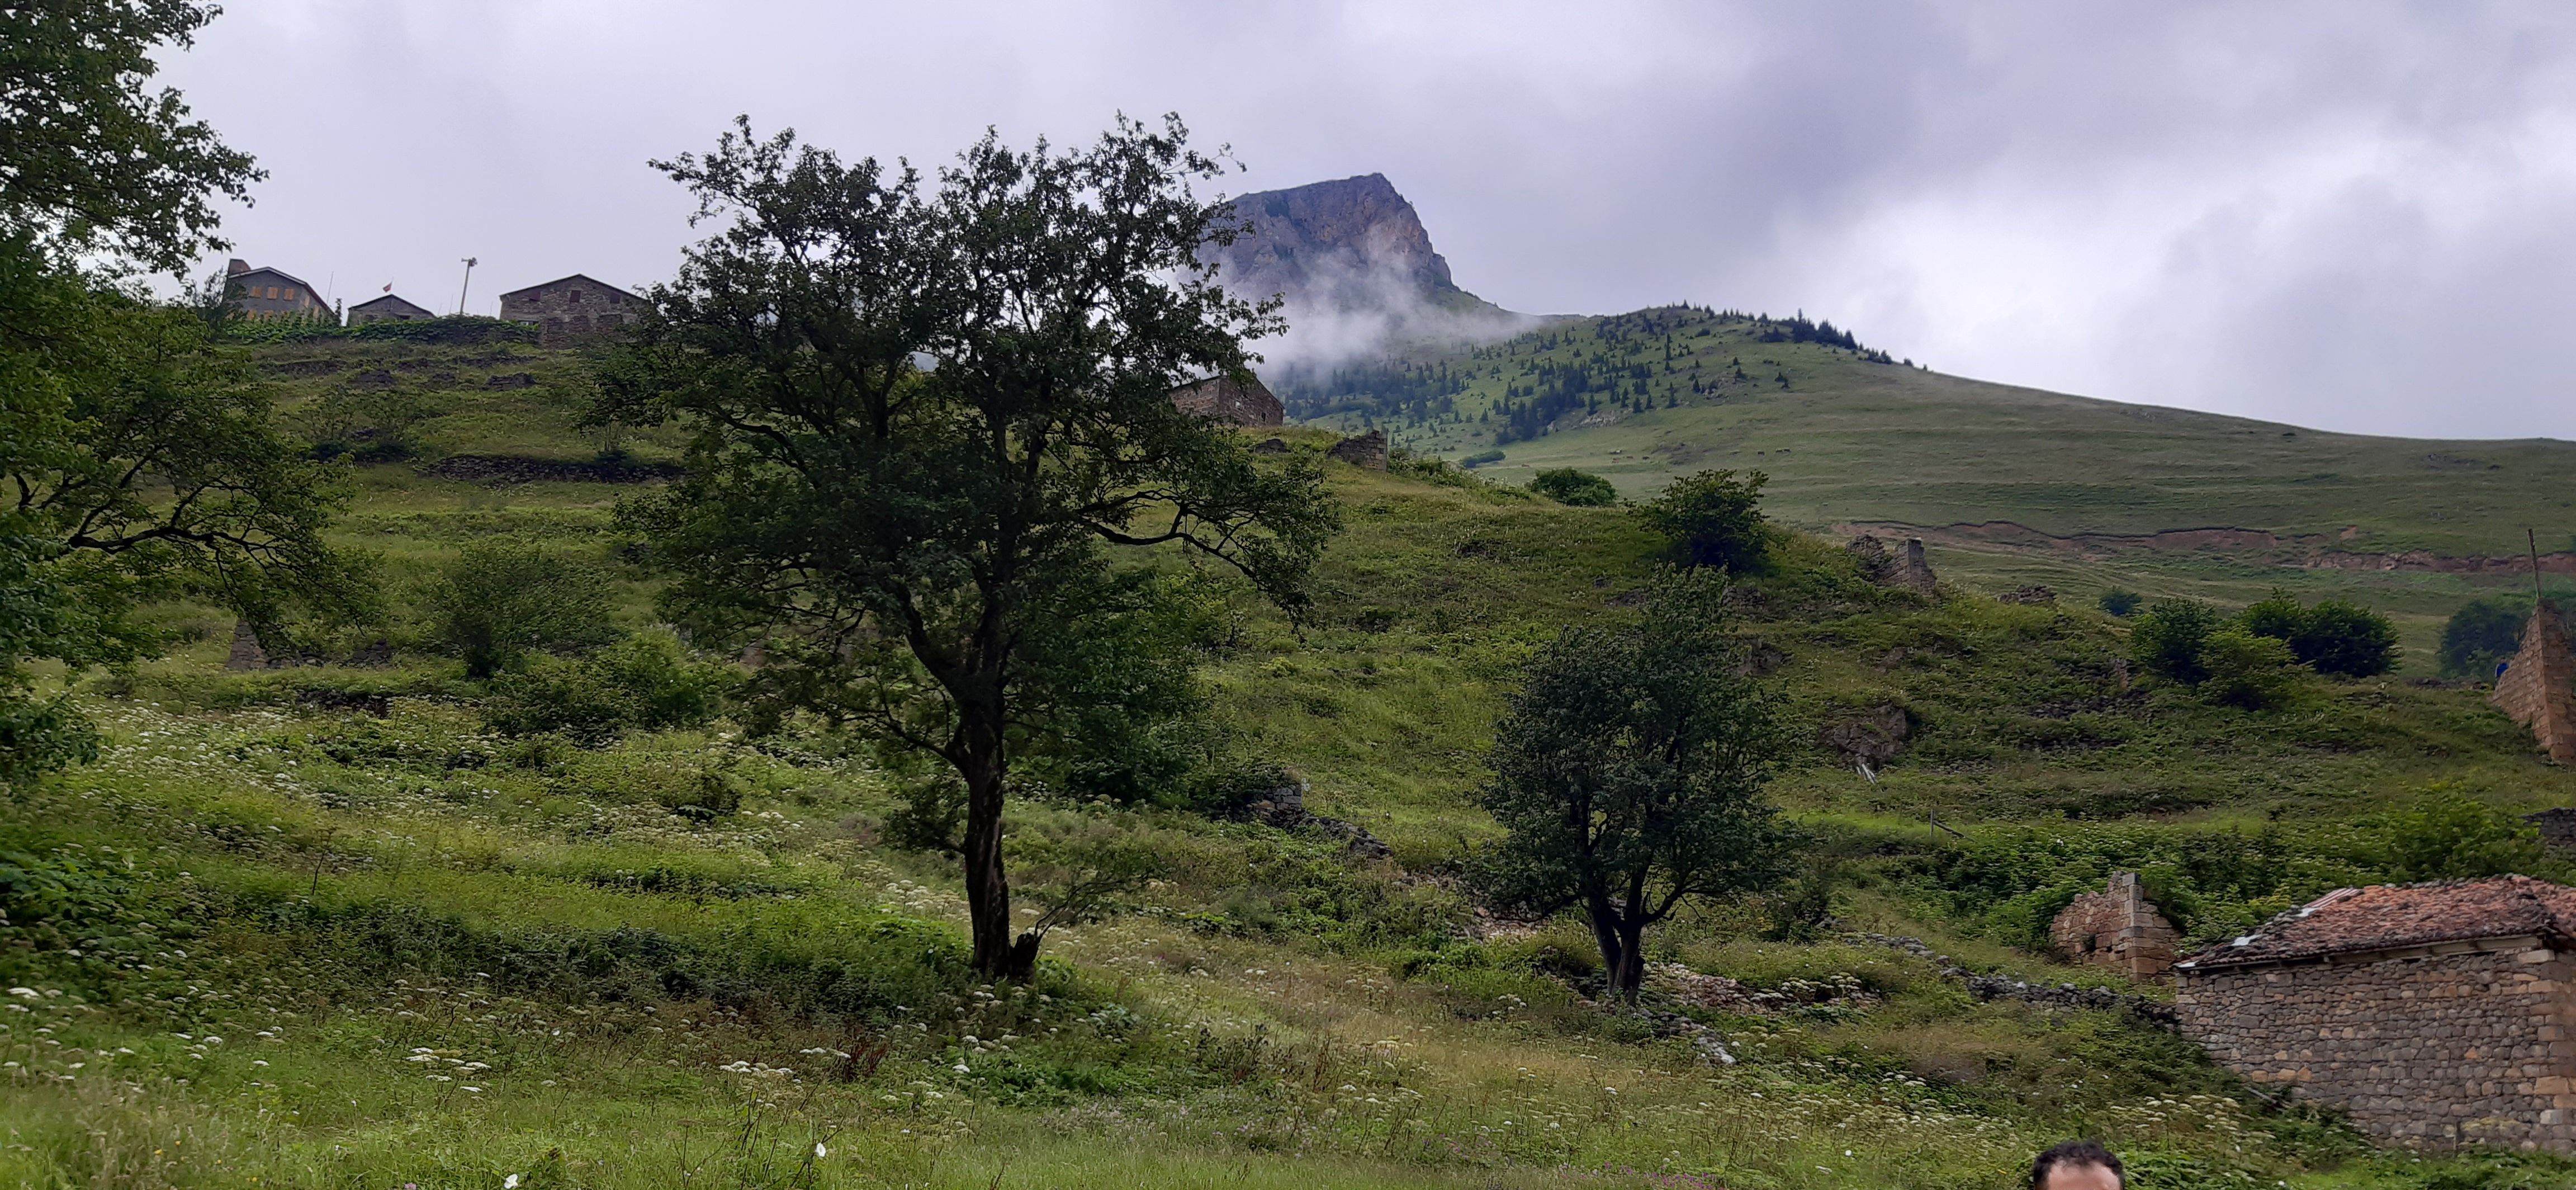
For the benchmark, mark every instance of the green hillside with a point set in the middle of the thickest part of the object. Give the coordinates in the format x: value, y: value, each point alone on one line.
x: 336, y: 925
x: 2011, y: 486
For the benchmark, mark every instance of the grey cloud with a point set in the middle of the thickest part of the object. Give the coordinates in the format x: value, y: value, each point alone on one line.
x: 2344, y: 213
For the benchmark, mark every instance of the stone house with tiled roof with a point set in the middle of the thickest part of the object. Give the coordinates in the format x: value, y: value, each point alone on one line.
x: 264, y: 293
x: 2434, y: 1014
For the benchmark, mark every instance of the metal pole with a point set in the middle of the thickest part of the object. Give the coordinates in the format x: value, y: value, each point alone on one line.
x: 469, y: 280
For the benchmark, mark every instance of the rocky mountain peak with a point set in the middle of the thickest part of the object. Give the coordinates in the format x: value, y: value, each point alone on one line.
x: 1352, y: 244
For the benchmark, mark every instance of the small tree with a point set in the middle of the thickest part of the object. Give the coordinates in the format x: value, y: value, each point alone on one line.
x: 2482, y: 634
x: 1628, y: 774
x: 2121, y: 602
x: 1582, y: 489
x: 1713, y: 518
x: 501, y: 600
x: 917, y: 419
x: 2166, y: 641
x: 2242, y: 669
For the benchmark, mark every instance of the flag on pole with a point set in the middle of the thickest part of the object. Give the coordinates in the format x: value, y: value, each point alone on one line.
x: 389, y: 287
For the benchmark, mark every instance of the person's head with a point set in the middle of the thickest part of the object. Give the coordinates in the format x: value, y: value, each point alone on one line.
x: 2077, y: 1165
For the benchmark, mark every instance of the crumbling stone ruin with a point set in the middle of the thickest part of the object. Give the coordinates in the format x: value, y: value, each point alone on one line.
x: 1285, y: 809
x: 1235, y: 402
x: 2538, y: 687
x: 1880, y: 565
x: 1870, y: 740
x: 246, y: 653
x: 2117, y: 928
x: 1362, y: 450
x: 2434, y: 1014
x: 2557, y: 829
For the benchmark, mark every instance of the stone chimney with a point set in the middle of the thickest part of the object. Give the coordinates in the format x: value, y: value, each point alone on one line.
x: 2538, y: 687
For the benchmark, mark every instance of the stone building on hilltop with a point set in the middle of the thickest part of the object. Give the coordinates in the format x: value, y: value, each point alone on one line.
x: 1239, y: 402
x: 389, y: 308
x: 2118, y: 928
x: 2538, y: 687
x: 265, y: 294
x: 2434, y: 1014
x: 570, y: 309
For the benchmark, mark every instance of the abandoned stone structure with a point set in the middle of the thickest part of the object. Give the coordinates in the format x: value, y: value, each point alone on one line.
x: 2117, y: 928
x: 572, y: 308
x: 266, y: 293
x: 2434, y: 1014
x: 389, y: 308
x: 2538, y: 687
x: 1911, y: 572
x: 1242, y: 403
x: 246, y: 652
x: 1361, y: 450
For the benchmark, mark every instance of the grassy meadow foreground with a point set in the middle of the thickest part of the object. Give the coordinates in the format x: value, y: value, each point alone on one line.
x: 330, y: 926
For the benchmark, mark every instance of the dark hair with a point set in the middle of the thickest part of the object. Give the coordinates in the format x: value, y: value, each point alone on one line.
x: 2075, y: 1154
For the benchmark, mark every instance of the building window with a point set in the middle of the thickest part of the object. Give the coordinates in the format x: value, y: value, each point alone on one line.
x: 288, y: 293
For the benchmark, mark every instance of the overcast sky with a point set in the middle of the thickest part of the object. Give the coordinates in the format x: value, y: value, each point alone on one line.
x: 2344, y: 214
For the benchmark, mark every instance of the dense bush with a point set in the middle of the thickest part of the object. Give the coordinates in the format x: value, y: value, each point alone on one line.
x: 2481, y: 635
x: 1482, y: 457
x: 1567, y: 485
x: 2121, y: 602
x: 2447, y: 836
x: 2166, y: 642
x: 500, y: 601
x: 645, y: 681
x: 2334, y: 637
x: 1714, y: 518
x: 2242, y: 668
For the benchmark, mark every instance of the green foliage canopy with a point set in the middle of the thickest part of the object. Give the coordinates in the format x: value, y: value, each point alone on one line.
x: 2334, y: 637
x: 2166, y: 641
x: 2482, y: 634
x: 1713, y: 518
x: 918, y: 419
x: 1568, y: 485
x: 502, y: 600
x: 1628, y: 774
x: 2242, y: 668
x: 2447, y: 836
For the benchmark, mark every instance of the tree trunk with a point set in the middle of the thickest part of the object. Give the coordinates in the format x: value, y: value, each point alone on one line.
x: 988, y: 890
x: 1630, y: 975
x: 1619, y: 958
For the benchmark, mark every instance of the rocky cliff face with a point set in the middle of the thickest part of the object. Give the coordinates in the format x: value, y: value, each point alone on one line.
x: 1354, y: 244
x: 1356, y: 268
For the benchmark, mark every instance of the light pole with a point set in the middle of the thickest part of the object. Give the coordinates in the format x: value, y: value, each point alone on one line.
x: 469, y: 280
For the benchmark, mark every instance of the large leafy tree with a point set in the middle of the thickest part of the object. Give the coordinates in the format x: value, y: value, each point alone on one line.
x: 924, y: 414
x: 1628, y: 774
x: 137, y: 459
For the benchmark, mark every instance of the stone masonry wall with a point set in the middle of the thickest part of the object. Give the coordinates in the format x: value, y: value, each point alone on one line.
x: 571, y: 309
x: 2438, y: 1050
x: 2539, y: 687
x: 2117, y: 928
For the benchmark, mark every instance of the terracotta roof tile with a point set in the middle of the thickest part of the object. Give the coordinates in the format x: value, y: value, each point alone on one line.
x: 2391, y: 916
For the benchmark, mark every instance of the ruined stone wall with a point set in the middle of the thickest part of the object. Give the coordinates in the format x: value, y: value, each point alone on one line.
x: 2438, y: 1049
x: 2539, y: 687
x: 1223, y: 398
x: 2117, y: 928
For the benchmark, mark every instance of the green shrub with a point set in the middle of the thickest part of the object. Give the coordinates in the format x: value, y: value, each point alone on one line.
x: 691, y: 784
x: 500, y: 601
x: 2480, y: 636
x: 1480, y: 458
x: 2167, y: 640
x: 1582, y: 489
x: 2243, y: 669
x: 1714, y: 518
x: 2121, y: 602
x: 2447, y: 836
x: 2334, y: 637
x: 644, y: 681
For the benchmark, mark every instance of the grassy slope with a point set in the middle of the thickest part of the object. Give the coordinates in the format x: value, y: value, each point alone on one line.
x: 1849, y: 441
x: 333, y: 894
